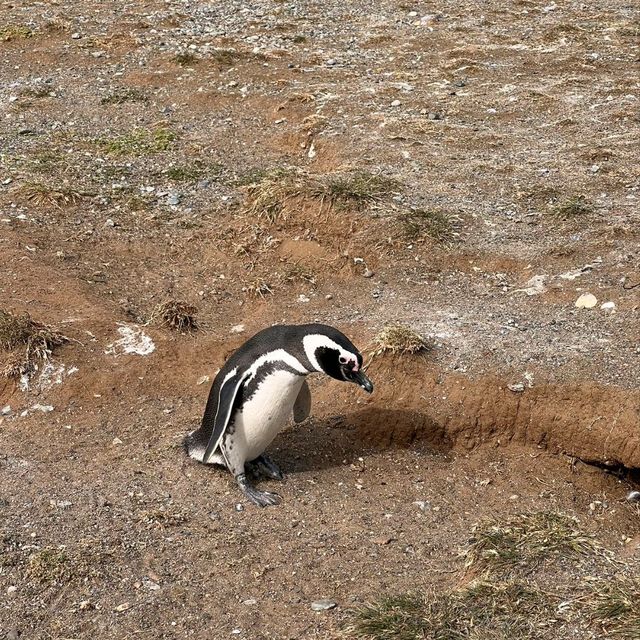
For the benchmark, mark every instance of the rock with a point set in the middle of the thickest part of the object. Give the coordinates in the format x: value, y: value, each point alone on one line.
x: 396, y: 103
x: 633, y: 496
x: 368, y: 273
x: 150, y: 584
x: 329, y: 296
x: 45, y: 408
x: 123, y: 607
x: 13, y: 634
x: 383, y: 540
x: 250, y: 602
x: 238, y: 328
x: 517, y: 387
x: 423, y: 505
x: 75, y: 36
x: 608, y: 306
x: 239, y: 507
x: 6, y: 411
x: 11, y: 590
x: 173, y: 199
x: 117, y: 441
x: 109, y: 223
x: 302, y: 298
x: 533, y: 287
x: 323, y: 605
x: 203, y: 379
x: 586, y: 301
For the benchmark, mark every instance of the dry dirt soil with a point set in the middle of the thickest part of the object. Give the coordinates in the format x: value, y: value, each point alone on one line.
x: 468, y: 169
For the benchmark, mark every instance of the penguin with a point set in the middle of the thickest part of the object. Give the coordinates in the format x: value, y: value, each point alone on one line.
x: 258, y: 388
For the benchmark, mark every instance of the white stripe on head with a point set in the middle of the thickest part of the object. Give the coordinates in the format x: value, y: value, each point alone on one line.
x: 278, y: 355
x: 314, y: 341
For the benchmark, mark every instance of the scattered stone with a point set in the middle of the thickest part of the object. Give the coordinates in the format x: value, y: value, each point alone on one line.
x: 533, y: 287
x: 173, y: 199
x: 6, y: 411
x: 383, y: 540
x: 250, y: 602
x: 150, y: 584
x: 11, y: 590
x: 329, y: 296
x: 302, y: 298
x: 238, y: 328
x: 396, y: 103
x: 423, y: 505
x: 239, y: 507
x: 13, y: 634
x: 75, y: 36
x: 517, y: 387
x: 117, y: 441
x: 633, y: 496
x: 323, y: 605
x: 586, y: 301
x: 368, y: 273
x: 608, y: 306
x: 203, y: 379
x: 61, y: 504
x: 109, y: 223
x: 123, y: 607
x: 45, y: 408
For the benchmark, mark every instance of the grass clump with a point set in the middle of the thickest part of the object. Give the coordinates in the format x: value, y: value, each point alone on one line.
x: 139, y: 142
x: 15, y: 32
x: 421, y: 223
x: 398, y: 339
x: 49, y: 566
x: 481, y: 611
x: 614, y: 605
x: 193, y: 171
x: 270, y: 192
x: 42, y: 194
x: 357, y: 189
x: 185, y: 58
x: 524, y: 540
x: 177, y: 315
x: 125, y: 94
x: 28, y: 341
x: 573, y: 208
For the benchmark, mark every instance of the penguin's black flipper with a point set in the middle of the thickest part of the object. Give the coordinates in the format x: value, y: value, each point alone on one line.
x: 226, y: 397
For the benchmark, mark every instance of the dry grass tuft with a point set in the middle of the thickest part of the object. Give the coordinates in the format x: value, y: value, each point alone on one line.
x: 15, y: 32
x: 614, y: 605
x: 45, y: 195
x: 29, y: 341
x: 525, y: 540
x: 269, y: 193
x: 421, y: 223
x: 177, y: 315
x: 481, y: 611
x: 49, y: 566
x: 185, y: 58
x: 573, y: 208
x: 356, y: 189
x: 397, y: 339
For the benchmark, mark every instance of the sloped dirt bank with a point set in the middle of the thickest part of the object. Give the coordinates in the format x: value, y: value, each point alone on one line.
x: 414, y: 400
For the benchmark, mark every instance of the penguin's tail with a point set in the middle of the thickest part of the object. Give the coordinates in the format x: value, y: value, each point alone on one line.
x: 195, y: 448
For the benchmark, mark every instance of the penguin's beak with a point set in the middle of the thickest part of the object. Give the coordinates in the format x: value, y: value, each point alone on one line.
x: 359, y: 378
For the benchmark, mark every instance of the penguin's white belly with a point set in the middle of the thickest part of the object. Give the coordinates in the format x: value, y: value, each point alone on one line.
x: 266, y: 413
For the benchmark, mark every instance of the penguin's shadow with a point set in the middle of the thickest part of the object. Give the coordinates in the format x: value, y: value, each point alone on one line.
x: 317, y: 445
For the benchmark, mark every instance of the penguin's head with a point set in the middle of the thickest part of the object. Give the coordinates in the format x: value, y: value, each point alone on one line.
x: 331, y: 352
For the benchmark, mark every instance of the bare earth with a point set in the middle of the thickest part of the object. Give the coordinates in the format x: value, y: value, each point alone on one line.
x: 130, y: 137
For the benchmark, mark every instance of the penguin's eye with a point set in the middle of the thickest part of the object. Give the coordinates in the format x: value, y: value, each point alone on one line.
x: 342, y: 360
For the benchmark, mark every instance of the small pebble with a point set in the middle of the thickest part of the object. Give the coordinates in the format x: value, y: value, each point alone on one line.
x: 323, y: 605
x: 396, y: 103
x: 239, y: 507
x: 586, y: 301
x: 328, y: 297
x: 6, y: 411
x: 11, y: 589
x: 75, y: 36
x: 368, y: 273
x: 633, y: 496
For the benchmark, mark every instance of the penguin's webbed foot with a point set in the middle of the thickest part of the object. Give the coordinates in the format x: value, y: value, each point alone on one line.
x: 261, y: 498
x: 264, y: 465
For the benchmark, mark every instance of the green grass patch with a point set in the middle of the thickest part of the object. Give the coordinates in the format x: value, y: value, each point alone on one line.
x: 15, y: 32
x: 356, y: 189
x: 574, y: 207
x: 139, y: 142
